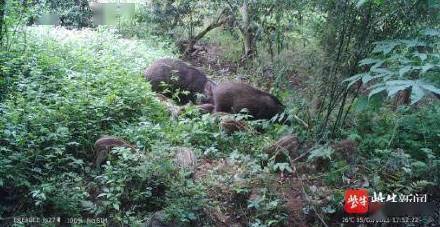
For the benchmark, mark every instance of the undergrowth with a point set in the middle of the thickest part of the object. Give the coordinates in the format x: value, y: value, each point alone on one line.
x: 65, y: 89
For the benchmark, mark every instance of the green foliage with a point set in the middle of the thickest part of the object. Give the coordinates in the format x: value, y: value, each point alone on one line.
x: 13, y: 15
x: 70, y: 87
x: 324, y: 152
x: 177, y: 18
x: 336, y: 170
x: 63, y: 93
x: 266, y: 210
x: 186, y: 201
x: 404, y: 145
x: 71, y: 13
x: 63, y: 89
x: 403, y: 65
x: 410, y: 130
x: 229, y: 41
x: 133, y: 182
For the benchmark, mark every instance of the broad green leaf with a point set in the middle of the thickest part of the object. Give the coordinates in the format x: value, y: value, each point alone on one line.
x: 369, y: 61
x: 417, y: 93
x: 427, y: 67
x: 430, y: 88
x: 392, y: 90
x: 360, y: 3
x: 377, y: 64
x: 377, y: 90
x: 431, y: 32
x: 353, y: 79
x: 87, y: 204
x: 352, y: 82
x: 404, y: 70
x: 414, y: 43
x: 400, y: 58
x: 382, y: 71
x: 399, y: 82
x: 361, y: 104
x: 282, y: 167
x: 328, y: 209
x: 366, y: 78
x: 385, y: 47
x: 375, y: 102
x: 422, y: 56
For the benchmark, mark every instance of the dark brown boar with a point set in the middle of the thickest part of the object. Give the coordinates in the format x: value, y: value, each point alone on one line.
x: 208, y: 90
x: 206, y: 108
x: 233, y: 97
x: 230, y: 126
x: 287, y: 146
x: 169, y: 76
x: 104, y: 145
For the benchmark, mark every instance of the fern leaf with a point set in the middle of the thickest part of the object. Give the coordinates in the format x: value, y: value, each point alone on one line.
x: 321, y: 152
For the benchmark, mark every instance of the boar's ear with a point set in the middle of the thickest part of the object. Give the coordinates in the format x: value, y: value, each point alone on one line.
x: 208, y: 91
x: 209, y: 87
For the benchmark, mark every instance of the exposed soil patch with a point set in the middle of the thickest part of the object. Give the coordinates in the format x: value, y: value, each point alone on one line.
x: 225, y: 213
x: 292, y: 193
x: 209, y: 56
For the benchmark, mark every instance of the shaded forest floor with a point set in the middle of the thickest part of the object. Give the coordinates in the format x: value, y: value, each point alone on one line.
x: 209, y: 57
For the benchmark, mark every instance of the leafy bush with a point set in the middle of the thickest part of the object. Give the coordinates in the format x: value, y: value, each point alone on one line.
x: 70, y: 87
x: 403, y: 144
x: 72, y: 14
x: 67, y: 89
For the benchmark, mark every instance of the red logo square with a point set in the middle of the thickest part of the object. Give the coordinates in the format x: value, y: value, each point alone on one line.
x: 356, y: 201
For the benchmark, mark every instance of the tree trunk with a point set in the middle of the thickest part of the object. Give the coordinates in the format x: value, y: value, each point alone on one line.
x: 248, y: 39
x: 221, y: 19
x: 2, y: 15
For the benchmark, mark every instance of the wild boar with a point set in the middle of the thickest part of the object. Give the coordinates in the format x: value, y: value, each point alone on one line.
x: 286, y: 146
x: 206, y: 108
x: 104, y: 145
x: 229, y: 126
x: 233, y: 97
x: 170, y: 76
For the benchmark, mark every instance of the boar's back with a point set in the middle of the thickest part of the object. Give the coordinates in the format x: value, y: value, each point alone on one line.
x: 233, y: 97
x: 178, y: 75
